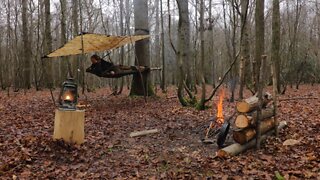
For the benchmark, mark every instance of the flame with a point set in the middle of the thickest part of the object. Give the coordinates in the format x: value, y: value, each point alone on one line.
x: 220, y: 118
x: 68, y: 97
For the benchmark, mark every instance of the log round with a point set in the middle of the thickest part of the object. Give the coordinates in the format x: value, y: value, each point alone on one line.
x: 246, y: 135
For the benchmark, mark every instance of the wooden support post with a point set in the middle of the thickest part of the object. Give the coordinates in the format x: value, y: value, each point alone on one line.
x: 69, y: 126
x: 275, y: 94
x: 260, y: 89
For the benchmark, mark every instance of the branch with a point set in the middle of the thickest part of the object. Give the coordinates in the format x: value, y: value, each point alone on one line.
x: 188, y: 90
x: 223, y: 78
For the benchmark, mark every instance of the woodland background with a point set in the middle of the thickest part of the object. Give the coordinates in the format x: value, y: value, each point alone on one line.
x: 31, y: 29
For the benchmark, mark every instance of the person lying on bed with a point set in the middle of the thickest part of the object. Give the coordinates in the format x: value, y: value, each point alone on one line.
x: 99, y: 66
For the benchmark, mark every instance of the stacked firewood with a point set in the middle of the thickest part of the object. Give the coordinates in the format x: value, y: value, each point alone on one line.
x: 245, y: 123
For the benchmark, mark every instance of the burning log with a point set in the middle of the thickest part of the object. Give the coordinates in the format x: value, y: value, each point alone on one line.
x: 252, y: 103
x: 236, y: 148
x: 244, y: 136
x: 244, y: 121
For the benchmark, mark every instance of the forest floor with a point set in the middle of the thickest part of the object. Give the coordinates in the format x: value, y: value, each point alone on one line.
x: 27, y: 150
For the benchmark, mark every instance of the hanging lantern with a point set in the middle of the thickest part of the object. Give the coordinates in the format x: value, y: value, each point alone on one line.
x: 68, y: 95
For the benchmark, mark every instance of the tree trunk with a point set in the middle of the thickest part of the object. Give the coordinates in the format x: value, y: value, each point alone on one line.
x: 75, y: 32
x: 275, y: 56
x: 184, y: 41
x: 163, y: 77
x: 26, y: 44
x: 141, y: 83
x: 245, y: 54
x: 122, y: 48
x: 65, y: 66
x: 48, y: 44
x: 260, y: 96
x: 201, y: 105
x: 183, y: 51
x: 259, y: 41
x: 275, y: 46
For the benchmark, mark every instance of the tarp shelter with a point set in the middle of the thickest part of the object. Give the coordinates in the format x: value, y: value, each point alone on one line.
x: 93, y: 43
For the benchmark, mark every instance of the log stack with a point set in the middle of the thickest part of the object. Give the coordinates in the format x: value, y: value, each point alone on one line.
x: 245, y: 123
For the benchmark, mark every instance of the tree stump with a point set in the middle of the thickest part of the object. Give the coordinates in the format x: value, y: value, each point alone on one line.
x: 69, y: 126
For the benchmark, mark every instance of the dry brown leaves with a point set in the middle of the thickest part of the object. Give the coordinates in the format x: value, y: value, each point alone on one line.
x: 28, y: 151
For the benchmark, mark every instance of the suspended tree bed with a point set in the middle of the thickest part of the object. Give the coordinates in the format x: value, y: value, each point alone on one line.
x: 91, y: 43
x: 118, y: 71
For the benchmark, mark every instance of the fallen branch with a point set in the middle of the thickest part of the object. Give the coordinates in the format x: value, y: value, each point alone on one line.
x: 144, y: 132
x: 235, y: 149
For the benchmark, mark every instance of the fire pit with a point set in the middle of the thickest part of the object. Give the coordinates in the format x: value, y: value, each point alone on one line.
x: 219, y: 126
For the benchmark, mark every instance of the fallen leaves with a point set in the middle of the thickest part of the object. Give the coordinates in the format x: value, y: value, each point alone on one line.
x: 28, y: 151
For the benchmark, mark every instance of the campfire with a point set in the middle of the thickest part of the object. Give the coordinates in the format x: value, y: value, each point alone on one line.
x: 220, y: 119
x: 219, y: 125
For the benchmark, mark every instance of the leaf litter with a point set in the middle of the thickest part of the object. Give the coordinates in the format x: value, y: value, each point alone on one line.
x: 28, y: 151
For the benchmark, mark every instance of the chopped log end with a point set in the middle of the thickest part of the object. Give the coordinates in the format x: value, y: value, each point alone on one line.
x: 244, y: 136
x: 241, y: 121
x: 243, y: 107
x: 236, y: 148
x: 252, y: 103
x: 222, y: 153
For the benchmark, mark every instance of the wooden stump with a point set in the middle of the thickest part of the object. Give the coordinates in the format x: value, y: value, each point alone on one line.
x: 69, y: 126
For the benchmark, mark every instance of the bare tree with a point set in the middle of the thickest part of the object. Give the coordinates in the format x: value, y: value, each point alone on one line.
x: 183, y: 52
x: 163, y: 77
x: 27, y: 46
x: 48, y: 44
x: 245, y: 54
x: 65, y: 66
x: 141, y: 83
x: 259, y: 40
x: 275, y: 44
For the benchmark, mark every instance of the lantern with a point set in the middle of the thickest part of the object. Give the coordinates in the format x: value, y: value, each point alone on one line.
x: 68, y: 95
